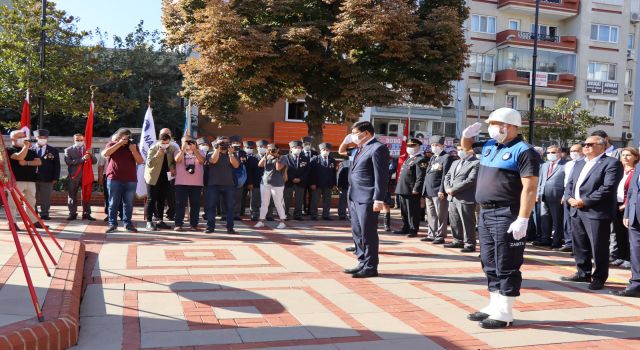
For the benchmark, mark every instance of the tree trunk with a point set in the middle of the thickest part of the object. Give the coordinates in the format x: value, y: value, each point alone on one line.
x: 315, y: 120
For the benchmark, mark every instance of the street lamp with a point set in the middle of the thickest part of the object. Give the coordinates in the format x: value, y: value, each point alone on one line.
x: 534, y: 69
x: 43, y: 38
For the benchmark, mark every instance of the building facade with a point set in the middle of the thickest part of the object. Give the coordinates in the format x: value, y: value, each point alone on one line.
x: 587, y: 51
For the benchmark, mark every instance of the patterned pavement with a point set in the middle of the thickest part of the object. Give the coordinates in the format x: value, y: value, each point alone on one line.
x: 284, y: 289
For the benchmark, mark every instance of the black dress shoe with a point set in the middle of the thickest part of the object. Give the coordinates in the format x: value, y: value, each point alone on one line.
x: 400, y: 232
x: 326, y: 218
x: 477, y: 316
x: 541, y: 244
x: 88, y: 217
x: 576, y: 278
x: 493, y: 324
x: 342, y: 218
x: 625, y: 293
x: 37, y: 225
x: 106, y: 218
x: 132, y: 229
x: 596, y: 285
x: 454, y: 245
x: 72, y: 217
x: 427, y: 239
x: 438, y: 241
x: 353, y: 270
x: 16, y: 227
x: 350, y: 249
x: 365, y: 273
x: 45, y: 217
x: 566, y: 249
x: 210, y: 230
x: 468, y: 249
x: 111, y: 229
x: 412, y: 234
x: 231, y: 231
x: 163, y: 226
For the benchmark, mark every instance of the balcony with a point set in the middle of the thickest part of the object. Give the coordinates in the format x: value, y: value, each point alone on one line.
x: 552, y: 9
x: 515, y: 37
x: 518, y: 79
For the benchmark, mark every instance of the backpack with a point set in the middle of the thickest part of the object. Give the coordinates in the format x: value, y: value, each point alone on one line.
x: 240, y: 176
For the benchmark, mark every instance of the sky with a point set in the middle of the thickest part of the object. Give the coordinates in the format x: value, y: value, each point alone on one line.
x: 117, y: 17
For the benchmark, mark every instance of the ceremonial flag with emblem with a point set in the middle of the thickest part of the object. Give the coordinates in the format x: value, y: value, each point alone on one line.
x: 403, y: 148
x: 87, y: 166
x: 188, y: 130
x: 25, y: 119
x: 147, y: 139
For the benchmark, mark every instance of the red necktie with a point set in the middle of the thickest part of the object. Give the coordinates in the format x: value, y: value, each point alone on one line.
x: 357, y: 153
x: 550, y: 169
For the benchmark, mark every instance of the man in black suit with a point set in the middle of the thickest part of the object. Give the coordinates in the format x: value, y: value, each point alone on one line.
x: 368, y: 181
x: 309, y: 152
x: 322, y: 181
x: 591, y: 193
x: 298, y: 168
x: 46, y: 174
x: 632, y: 221
x: 435, y: 197
x: 342, y: 178
x: 409, y: 187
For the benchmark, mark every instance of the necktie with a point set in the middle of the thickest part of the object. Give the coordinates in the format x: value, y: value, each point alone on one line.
x: 41, y: 153
x: 357, y: 153
x: 460, y: 164
x: 550, y: 171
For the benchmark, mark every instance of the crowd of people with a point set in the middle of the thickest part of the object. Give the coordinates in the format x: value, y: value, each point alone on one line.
x: 497, y: 194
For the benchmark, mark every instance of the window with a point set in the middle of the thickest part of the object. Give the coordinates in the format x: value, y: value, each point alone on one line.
x: 545, y: 30
x: 628, y: 78
x: 548, y: 61
x: 611, y: 109
x: 483, y: 24
x: 631, y: 41
x: 485, y: 103
x: 296, y: 111
x: 475, y: 61
x: 514, y: 24
x: 601, y: 71
x: 604, y: 108
x: 512, y: 101
x: 443, y: 129
x: 543, y: 103
x: 604, y: 33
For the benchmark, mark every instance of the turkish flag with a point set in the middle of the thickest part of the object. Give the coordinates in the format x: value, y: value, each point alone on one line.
x: 87, y: 167
x: 403, y: 148
x: 25, y: 119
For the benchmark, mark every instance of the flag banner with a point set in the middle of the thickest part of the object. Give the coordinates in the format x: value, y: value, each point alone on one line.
x: 87, y: 166
x: 25, y: 119
x: 187, y: 120
x: 403, y: 148
x: 147, y: 139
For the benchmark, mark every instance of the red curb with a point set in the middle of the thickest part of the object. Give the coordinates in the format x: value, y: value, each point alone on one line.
x: 61, y: 309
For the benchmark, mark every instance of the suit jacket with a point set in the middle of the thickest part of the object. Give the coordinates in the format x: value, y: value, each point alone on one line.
x: 632, y: 210
x: 254, y: 172
x: 49, y: 171
x: 411, y: 177
x: 73, y: 158
x: 323, y: 175
x: 369, y: 174
x: 463, y: 181
x: 438, y: 166
x: 551, y: 188
x: 342, y: 177
x: 298, y: 169
x: 153, y: 165
x: 598, y: 191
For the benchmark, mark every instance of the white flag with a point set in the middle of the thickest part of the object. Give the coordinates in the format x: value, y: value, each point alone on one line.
x: 147, y: 139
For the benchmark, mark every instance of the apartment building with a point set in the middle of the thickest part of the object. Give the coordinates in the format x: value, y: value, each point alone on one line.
x: 587, y: 51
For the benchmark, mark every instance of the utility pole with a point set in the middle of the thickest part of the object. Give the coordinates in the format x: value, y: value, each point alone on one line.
x: 43, y: 39
x: 534, y: 71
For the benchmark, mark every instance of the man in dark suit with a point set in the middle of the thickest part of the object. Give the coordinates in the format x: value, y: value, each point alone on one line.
x: 74, y: 157
x: 460, y: 186
x: 550, y: 192
x: 632, y: 221
x: 46, y: 174
x: 409, y: 187
x: 591, y: 193
x: 298, y: 168
x: 368, y: 181
x: 309, y: 152
x: 342, y: 178
x: 435, y: 198
x: 322, y: 181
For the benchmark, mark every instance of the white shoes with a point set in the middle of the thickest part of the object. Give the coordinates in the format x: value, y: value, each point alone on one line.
x: 489, y: 309
x: 503, y: 309
x: 281, y: 225
x: 259, y: 224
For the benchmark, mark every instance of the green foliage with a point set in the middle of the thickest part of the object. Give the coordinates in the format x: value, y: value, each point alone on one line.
x: 563, y: 123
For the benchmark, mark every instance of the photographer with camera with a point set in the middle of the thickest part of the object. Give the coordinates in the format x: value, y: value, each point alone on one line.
x: 273, y: 180
x: 221, y: 163
x: 124, y: 156
x: 189, y: 181
x: 74, y: 157
x: 23, y: 161
x: 159, y: 170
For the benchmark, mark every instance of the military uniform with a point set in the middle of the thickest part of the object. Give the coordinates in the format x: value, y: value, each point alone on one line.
x: 298, y: 167
x: 408, y: 188
x: 46, y: 174
x: 254, y: 177
x: 437, y: 208
x: 308, y: 152
x: 323, y: 177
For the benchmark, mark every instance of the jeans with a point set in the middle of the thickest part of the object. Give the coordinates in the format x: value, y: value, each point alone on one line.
x: 213, y: 194
x: 121, y: 192
x: 192, y: 194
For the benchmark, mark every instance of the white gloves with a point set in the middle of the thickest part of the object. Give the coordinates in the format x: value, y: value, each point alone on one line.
x: 347, y: 140
x: 472, y: 130
x: 519, y: 228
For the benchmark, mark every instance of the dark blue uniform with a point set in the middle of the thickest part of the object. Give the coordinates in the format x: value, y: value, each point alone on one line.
x: 323, y: 177
x: 498, y: 192
x: 46, y: 174
x: 342, y: 179
x: 254, y: 178
x: 297, y: 168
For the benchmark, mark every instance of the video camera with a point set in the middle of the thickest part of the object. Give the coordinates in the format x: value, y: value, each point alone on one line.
x: 223, y: 146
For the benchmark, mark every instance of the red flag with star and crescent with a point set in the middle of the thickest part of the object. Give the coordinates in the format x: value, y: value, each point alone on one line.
x: 87, y: 167
x: 403, y: 148
x: 25, y: 119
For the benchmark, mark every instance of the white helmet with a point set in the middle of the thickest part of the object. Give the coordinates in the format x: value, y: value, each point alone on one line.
x: 506, y: 115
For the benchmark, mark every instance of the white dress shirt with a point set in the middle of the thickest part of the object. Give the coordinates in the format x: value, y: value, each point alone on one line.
x: 589, y: 164
x: 568, y: 169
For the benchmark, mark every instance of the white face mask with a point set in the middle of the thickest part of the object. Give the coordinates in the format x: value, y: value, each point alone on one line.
x: 296, y: 151
x: 248, y: 150
x: 436, y: 150
x: 42, y: 142
x: 552, y: 157
x: 355, y: 138
x: 462, y: 154
x: 164, y: 145
x: 411, y: 151
x: 78, y: 143
x: 307, y: 148
x: 204, y: 148
x: 497, y: 133
x: 262, y: 151
x: 575, y: 155
x: 325, y: 153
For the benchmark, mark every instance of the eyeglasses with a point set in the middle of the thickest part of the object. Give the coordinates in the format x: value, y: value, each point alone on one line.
x: 552, y: 152
x: 588, y: 144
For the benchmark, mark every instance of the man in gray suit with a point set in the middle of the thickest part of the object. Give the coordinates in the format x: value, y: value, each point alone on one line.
x: 74, y: 157
x: 550, y: 191
x: 434, y: 196
x: 460, y: 186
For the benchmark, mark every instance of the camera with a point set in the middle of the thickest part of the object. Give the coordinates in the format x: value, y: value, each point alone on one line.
x: 191, y: 168
x: 32, y: 140
x: 190, y: 142
x: 131, y: 141
x: 223, y: 146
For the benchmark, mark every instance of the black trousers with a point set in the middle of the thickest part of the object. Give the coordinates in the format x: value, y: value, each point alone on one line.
x: 410, y: 211
x: 634, y: 241
x: 619, y: 245
x: 315, y: 201
x: 591, y: 241
x: 156, y: 196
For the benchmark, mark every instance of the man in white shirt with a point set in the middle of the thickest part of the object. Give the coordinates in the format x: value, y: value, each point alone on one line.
x: 576, y: 156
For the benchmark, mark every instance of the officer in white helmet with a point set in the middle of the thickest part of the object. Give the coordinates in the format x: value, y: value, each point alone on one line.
x: 506, y: 193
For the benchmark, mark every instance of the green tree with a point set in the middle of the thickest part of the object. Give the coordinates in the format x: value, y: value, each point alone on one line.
x: 564, y: 122
x: 341, y: 55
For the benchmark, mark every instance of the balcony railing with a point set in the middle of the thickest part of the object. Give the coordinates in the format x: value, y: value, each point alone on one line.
x: 515, y: 37
x: 541, y: 37
x: 556, y: 81
x: 569, y: 7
